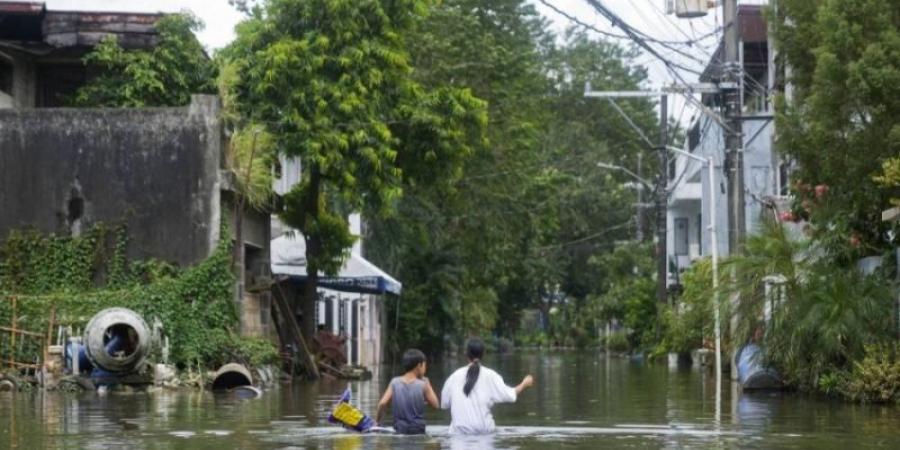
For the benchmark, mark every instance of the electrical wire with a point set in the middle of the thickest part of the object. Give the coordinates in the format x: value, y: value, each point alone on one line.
x: 670, y: 66
x: 596, y: 235
x: 575, y: 20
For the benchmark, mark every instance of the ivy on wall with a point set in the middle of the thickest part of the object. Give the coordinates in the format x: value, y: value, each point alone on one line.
x: 82, y: 275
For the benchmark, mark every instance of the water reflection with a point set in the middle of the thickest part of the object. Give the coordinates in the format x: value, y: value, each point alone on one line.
x: 581, y: 401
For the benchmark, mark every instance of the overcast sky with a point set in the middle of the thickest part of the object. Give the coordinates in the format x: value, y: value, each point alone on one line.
x: 645, y: 15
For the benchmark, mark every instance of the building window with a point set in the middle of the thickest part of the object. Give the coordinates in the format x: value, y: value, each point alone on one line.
x: 784, y: 179
x: 277, y: 169
x: 694, y: 136
x: 6, y: 77
x: 57, y: 84
x: 700, y: 234
x: 681, y: 236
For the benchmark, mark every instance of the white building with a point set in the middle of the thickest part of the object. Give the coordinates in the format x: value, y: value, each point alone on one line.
x: 351, y: 304
x: 765, y: 175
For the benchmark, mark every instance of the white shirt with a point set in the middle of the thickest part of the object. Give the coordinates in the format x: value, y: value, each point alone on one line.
x: 472, y: 414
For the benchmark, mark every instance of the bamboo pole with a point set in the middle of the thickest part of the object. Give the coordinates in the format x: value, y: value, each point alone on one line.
x: 49, y: 339
x: 15, y: 364
x: 12, y: 334
x: 312, y: 369
x: 15, y: 331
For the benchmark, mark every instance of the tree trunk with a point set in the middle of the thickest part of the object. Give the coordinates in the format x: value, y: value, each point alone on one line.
x: 313, y: 251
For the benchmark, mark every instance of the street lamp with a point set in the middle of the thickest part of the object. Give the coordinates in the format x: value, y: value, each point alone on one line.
x: 637, y: 177
x: 639, y: 185
x: 714, y: 247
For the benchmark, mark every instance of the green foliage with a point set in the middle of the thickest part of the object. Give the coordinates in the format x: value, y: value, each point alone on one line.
x: 331, y: 80
x: 195, y: 306
x: 876, y: 378
x: 532, y: 339
x: 253, y: 352
x: 29, y: 264
x: 890, y: 177
x: 530, y: 208
x: 479, y: 311
x: 164, y: 75
x: 617, y: 342
x: 631, y: 294
x: 690, y: 324
x: 824, y: 314
x: 251, y: 156
x: 844, y: 119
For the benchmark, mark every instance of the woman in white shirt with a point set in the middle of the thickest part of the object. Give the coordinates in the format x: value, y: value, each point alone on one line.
x: 470, y: 392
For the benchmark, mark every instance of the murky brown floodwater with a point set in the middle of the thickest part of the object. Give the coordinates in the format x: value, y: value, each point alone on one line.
x: 582, y: 401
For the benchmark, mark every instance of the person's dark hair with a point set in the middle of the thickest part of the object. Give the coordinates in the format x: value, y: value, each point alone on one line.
x: 412, y: 358
x: 474, y: 351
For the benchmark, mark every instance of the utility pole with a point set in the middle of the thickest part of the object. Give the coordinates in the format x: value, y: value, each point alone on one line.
x: 734, y: 152
x: 639, y: 211
x: 662, y: 181
x: 660, y: 193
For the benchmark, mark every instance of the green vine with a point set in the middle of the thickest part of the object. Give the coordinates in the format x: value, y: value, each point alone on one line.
x: 81, y: 276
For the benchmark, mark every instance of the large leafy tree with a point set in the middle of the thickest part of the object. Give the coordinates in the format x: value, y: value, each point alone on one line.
x: 331, y: 81
x: 531, y: 206
x: 843, y: 122
x: 452, y: 245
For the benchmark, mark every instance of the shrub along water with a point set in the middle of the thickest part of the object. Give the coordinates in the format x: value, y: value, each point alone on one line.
x: 689, y: 325
x: 79, y: 276
x: 826, y: 319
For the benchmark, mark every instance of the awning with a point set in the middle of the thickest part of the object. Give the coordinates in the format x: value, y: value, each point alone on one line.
x: 356, y: 275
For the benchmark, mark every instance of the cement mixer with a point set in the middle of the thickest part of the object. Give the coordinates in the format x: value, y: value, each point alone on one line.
x: 116, y: 341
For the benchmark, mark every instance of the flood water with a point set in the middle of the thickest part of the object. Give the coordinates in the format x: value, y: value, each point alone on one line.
x: 582, y: 400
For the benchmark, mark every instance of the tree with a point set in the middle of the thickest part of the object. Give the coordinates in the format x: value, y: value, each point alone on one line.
x: 331, y: 81
x: 165, y: 75
x: 844, y: 120
x: 453, y: 243
x: 629, y: 291
x: 531, y: 207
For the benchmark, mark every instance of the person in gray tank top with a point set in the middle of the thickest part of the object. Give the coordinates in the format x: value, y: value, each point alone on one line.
x: 408, y: 394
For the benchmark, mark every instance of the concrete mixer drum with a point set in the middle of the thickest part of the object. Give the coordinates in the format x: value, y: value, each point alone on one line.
x: 117, y: 340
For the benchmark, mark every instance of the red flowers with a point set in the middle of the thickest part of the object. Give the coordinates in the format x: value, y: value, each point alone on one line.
x: 787, y: 216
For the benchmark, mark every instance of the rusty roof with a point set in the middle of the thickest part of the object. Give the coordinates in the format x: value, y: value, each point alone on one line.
x: 753, y: 29
x: 21, y: 21
x: 30, y: 23
x: 27, y: 8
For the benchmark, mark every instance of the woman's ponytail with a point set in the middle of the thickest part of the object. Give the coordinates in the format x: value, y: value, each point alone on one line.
x: 471, y: 377
x: 474, y: 351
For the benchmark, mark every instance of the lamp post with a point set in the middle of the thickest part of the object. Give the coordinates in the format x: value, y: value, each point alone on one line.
x: 640, y: 184
x: 714, y: 249
x: 638, y: 178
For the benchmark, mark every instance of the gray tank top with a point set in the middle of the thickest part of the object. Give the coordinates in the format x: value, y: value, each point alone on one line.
x: 408, y: 406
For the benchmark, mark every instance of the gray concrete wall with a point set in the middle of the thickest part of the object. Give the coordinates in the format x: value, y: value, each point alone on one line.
x: 62, y: 170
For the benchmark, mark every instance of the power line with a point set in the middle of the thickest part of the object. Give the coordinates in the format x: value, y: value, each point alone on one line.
x: 599, y: 234
x: 588, y: 26
x: 670, y: 66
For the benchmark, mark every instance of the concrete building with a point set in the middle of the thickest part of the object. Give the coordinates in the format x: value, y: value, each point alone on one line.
x: 765, y: 173
x: 160, y: 171
x: 41, y: 50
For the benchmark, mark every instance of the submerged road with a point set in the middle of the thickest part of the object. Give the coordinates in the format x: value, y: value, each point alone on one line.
x: 582, y: 400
